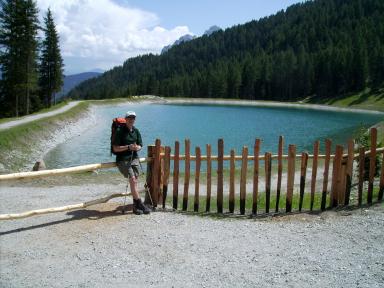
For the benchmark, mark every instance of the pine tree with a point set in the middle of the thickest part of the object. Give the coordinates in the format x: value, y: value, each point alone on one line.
x: 51, y: 66
x: 18, y: 40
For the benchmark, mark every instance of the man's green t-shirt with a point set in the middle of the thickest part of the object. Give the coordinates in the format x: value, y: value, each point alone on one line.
x: 126, y: 137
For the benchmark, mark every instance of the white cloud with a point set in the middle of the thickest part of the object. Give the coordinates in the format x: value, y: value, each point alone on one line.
x: 102, y: 34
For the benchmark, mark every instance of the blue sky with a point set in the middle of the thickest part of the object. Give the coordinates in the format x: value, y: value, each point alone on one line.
x: 199, y: 15
x: 101, y: 34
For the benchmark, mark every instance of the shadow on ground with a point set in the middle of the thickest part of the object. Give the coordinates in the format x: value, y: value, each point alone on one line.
x: 97, y: 212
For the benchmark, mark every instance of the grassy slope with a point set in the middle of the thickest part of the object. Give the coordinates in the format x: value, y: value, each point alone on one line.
x: 17, y: 142
x: 367, y: 99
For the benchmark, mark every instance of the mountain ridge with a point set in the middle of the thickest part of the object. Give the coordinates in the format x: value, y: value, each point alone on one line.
x: 320, y: 48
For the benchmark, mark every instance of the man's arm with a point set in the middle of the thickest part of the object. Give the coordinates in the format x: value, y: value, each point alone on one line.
x: 131, y: 147
x: 118, y: 149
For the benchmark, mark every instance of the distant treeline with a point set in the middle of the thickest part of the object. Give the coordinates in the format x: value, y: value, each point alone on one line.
x: 321, y: 48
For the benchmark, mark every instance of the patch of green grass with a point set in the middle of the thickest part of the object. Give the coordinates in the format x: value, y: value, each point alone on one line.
x: 261, y: 202
x: 367, y: 99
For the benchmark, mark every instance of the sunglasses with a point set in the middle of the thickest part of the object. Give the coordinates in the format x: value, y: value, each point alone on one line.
x: 131, y: 118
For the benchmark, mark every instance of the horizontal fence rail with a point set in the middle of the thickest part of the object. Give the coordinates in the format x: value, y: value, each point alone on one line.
x: 62, y: 171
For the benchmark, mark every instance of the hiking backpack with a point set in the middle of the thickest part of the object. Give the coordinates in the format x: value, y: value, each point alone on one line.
x: 116, y: 123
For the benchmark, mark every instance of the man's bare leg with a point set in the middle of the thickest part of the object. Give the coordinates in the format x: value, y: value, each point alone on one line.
x: 133, y: 185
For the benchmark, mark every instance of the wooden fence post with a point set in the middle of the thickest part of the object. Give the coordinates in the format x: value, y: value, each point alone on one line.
x: 361, y: 175
x: 256, y: 152
x: 243, y: 179
x: 291, y: 177
x: 167, y: 166
x: 303, y: 173
x: 268, y: 168
x: 349, y: 171
x: 220, y: 176
x: 161, y: 175
x: 372, y: 164
x: 336, y: 178
x: 232, y: 183
x: 342, y: 182
x: 209, y: 180
x: 176, y: 175
x: 381, y: 190
x: 279, y: 171
x: 327, y: 160
x: 197, y: 179
x: 156, y: 173
x: 187, y: 173
x: 314, y: 171
x: 150, y: 170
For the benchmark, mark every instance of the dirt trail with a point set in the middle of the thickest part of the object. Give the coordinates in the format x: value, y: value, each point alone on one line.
x: 100, y: 247
x: 30, y: 118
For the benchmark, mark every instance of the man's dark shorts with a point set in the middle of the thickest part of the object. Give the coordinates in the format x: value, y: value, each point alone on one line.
x: 129, y: 168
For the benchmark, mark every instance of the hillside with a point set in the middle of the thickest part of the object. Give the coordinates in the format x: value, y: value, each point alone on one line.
x: 322, y: 49
x: 70, y: 81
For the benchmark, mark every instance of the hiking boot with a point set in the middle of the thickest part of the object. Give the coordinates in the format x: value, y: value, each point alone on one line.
x: 139, y: 208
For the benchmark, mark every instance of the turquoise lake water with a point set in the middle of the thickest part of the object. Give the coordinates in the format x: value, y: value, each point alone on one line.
x: 205, y: 124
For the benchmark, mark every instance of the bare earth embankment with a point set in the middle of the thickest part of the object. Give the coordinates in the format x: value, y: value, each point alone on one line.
x: 100, y: 247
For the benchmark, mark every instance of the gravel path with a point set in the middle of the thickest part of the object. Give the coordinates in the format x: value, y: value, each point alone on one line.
x: 30, y: 118
x: 99, y: 247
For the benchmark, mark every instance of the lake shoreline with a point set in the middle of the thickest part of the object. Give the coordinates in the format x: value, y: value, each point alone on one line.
x: 260, y: 103
x: 75, y: 126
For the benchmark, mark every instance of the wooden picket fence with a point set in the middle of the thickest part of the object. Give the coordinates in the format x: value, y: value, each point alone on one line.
x: 159, y: 172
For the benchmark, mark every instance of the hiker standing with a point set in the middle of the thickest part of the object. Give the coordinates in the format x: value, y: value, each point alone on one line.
x: 126, y: 143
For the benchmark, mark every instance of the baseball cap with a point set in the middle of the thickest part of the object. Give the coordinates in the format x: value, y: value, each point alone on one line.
x: 130, y: 114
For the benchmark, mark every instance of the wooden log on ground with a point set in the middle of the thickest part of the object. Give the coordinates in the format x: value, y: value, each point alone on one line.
x: 256, y: 152
x: 327, y: 160
x: 303, y: 173
x: 31, y: 213
x: 187, y: 173
x: 243, y: 179
x: 314, y: 172
x: 279, y: 171
x: 349, y: 172
x: 209, y: 178
x: 361, y: 175
x: 290, y: 177
x: 220, y: 176
x: 231, y: 203
x: 39, y: 165
x: 197, y: 179
x: 268, y: 167
x: 167, y: 166
x: 372, y: 164
x: 176, y: 175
